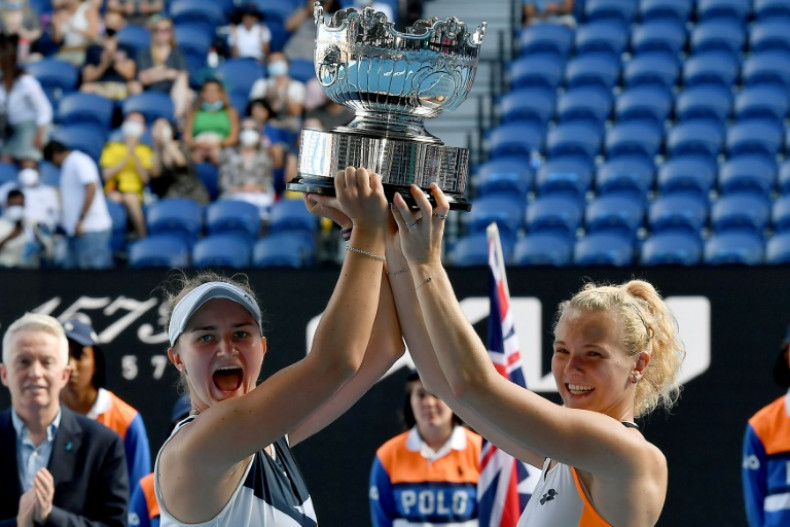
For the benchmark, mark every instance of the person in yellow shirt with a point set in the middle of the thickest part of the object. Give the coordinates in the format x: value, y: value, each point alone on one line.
x: 125, y: 169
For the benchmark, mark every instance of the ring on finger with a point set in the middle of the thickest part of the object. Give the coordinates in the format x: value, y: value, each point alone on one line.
x: 440, y: 215
x: 411, y: 226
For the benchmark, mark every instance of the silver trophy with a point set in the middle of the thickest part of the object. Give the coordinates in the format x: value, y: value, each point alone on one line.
x: 392, y: 80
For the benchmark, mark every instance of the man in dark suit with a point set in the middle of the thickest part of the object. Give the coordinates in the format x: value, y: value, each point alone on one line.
x: 57, y: 468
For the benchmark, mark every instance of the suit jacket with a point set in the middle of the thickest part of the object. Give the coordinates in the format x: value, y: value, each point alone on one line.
x: 88, y: 465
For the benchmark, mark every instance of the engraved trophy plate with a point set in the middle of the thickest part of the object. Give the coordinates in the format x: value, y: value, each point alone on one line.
x: 392, y: 80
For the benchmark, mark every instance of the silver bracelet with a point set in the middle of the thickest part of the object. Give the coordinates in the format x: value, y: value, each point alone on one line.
x: 365, y: 253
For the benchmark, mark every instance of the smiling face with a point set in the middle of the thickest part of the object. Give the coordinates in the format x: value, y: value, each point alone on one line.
x: 590, y: 365
x: 220, y: 352
x: 34, y: 373
x: 432, y: 415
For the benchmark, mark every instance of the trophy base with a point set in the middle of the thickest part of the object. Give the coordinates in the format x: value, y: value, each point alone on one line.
x: 400, y: 163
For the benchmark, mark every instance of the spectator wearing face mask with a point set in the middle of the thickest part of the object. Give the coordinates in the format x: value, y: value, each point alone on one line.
x: 285, y: 95
x: 108, y: 68
x: 125, y: 169
x: 173, y: 172
x: 13, y: 241
x: 247, y: 172
x: 213, y: 124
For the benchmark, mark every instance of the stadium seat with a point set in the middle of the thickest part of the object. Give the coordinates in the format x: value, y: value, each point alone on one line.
x: 711, y: 102
x: 472, y: 250
x: 767, y: 67
x: 503, y: 176
x: 740, y: 212
x: 770, y: 35
x: 736, y: 10
x: 633, y: 138
x: 302, y: 70
x: 175, y: 216
x: 558, y: 215
x: 57, y: 77
x: 614, y: 213
x: 734, y: 248
x: 677, y: 11
x: 275, y: 9
x: 574, y: 139
x: 632, y: 175
x: 8, y: 174
x: 546, y: 38
x: 610, y: 10
x: 119, y: 219
x: 87, y: 108
x: 84, y: 137
x: 762, y: 102
x: 696, y: 137
x: 198, y: 13
x: 784, y: 177
x: 514, y: 139
x: 718, y: 35
x: 229, y: 216
x: 687, y: 175
x: 754, y: 136
x: 748, y: 173
x: 602, y: 36
x: 194, y: 45
x: 543, y: 248
x: 678, y: 212
x: 532, y: 104
x: 151, y: 104
x: 603, y: 248
x: 238, y: 75
x: 159, y: 251
x: 771, y: 9
x: 222, y: 250
x: 539, y: 69
x: 566, y: 176
x: 208, y: 173
x: 48, y: 173
x: 291, y: 215
x: 663, y: 36
x: 592, y: 69
x: 777, y: 249
x: 506, y: 211
x: 652, y: 68
x: 712, y: 67
x: 134, y: 39
x: 590, y: 104
x: 780, y: 214
x: 644, y: 103
x: 671, y: 248
x: 282, y: 250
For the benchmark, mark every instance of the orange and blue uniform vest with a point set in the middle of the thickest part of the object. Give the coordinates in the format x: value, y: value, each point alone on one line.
x: 143, y: 507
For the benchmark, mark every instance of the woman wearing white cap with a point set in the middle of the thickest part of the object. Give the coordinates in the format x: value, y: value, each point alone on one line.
x: 229, y: 463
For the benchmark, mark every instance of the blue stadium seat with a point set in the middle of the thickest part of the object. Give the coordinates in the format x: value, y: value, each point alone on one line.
x: 672, y: 248
x: 754, y: 136
x: 613, y: 10
x: 678, y: 212
x: 159, y: 251
x: 151, y: 104
x: 238, y: 75
x: 291, y: 215
x: 543, y: 248
x: 229, y: 216
x: 644, y: 103
x: 222, y: 250
x: 506, y: 211
x: 514, y: 139
x: 777, y: 249
x: 558, y: 215
x: 194, y: 45
x: 698, y: 137
x: 239, y: 102
x: 593, y: 69
x: 88, y: 108
x: 8, y: 173
x: 771, y: 9
x: 539, y: 69
x: 767, y: 67
x: 780, y: 214
x: 134, y: 38
x: 734, y: 248
x: 532, y: 104
x: 175, y: 216
x: 784, y: 177
x: 748, y: 173
x: 662, y: 36
x: 770, y: 35
x: 48, y: 173
x: 574, y: 139
x: 84, y: 137
x: 198, y: 13
x: 762, y: 102
x: 678, y: 11
x: 280, y: 35
x: 633, y: 138
x: 601, y: 36
x: 546, y: 38
x: 567, y: 176
x: 740, y: 212
x: 736, y: 10
x: 276, y: 9
x: 472, y: 250
x: 208, y: 173
x: 603, y: 248
x: 712, y: 67
x: 687, y: 175
x: 505, y: 176
x: 718, y: 35
x: 283, y: 250
x: 614, y: 214
x: 57, y: 77
x: 652, y: 68
x: 631, y: 175
x: 302, y: 70
x: 711, y: 102
x: 119, y: 219
x: 591, y: 104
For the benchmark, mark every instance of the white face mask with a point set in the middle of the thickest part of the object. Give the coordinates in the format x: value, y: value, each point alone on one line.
x: 249, y: 137
x: 28, y: 177
x: 278, y: 68
x: 14, y: 213
x: 132, y: 129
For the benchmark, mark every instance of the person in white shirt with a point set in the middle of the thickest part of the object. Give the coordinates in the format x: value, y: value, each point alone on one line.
x: 285, y: 95
x: 13, y: 240
x: 86, y: 219
x: 250, y: 38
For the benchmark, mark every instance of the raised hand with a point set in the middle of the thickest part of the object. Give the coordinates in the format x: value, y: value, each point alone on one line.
x: 327, y: 207
x: 360, y: 195
x: 421, y: 231
x: 44, y: 487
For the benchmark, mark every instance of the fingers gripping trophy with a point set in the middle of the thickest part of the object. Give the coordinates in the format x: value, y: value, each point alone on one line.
x: 392, y: 80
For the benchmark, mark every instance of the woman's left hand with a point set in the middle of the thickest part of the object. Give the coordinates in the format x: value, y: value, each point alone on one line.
x: 421, y: 231
x: 327, y: 207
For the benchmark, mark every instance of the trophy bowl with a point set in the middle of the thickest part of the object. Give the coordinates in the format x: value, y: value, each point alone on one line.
x: 393, y: 81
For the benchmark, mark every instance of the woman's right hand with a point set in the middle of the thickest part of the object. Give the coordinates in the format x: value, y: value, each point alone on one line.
x: 360, y: 195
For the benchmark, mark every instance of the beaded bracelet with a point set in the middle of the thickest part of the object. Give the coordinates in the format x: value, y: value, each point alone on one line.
x: 365, y: 253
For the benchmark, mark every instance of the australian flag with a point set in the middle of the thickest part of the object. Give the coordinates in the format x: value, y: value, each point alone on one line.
x: 505, y: 485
